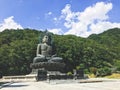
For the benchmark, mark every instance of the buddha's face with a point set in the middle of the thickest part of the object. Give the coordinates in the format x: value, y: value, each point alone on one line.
x: 45, y: 39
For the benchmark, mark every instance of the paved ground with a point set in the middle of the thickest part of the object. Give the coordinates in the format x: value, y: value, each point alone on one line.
x: 64, y: 85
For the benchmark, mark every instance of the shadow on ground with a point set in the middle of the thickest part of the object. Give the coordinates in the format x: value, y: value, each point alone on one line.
x: 16, y: 85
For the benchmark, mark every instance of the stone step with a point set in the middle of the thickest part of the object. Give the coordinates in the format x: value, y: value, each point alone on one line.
x: 30, y: 77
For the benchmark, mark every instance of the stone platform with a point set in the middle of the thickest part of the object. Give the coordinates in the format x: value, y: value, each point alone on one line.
x: 65, y: 85
x: 19, y: 78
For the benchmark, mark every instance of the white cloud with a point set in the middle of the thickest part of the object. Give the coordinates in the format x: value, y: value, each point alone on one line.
x: 69, y: 16
x: 9, y: 23
x: 94, y: 19
x: 55, y: 19
x: 49, y: 13
x: 102, y: 26
x: 56, y: 31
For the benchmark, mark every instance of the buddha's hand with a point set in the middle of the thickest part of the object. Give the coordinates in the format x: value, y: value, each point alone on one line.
x: 39, y: 55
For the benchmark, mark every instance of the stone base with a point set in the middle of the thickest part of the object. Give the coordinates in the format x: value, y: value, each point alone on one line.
x: 49, y: 66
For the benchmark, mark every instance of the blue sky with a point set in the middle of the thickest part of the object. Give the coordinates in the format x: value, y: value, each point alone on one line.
x: 78, y: 17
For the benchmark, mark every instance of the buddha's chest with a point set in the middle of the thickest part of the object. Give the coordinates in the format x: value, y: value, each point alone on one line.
x: 44, y: 47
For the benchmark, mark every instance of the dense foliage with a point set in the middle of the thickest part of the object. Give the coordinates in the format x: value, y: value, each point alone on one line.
x: 98, y: 54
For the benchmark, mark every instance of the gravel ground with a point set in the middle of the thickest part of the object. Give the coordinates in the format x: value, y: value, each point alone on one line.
x: 64, y: 85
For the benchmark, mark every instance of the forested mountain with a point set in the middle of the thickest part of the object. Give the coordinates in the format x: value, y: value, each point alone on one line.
x: 110, y: 39
x: 98, y: 54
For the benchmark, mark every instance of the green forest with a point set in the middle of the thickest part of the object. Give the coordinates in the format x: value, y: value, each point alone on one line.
x: 98, y: 54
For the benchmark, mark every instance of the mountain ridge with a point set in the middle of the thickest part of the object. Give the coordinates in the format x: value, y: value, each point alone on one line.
x: 97, y: 52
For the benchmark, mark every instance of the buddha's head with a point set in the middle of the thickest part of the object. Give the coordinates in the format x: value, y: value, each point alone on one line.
x: 45, y: 39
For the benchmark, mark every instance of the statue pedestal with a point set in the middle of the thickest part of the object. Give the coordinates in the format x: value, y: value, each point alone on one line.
x: 45, y: 70
x: 49, y: 66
